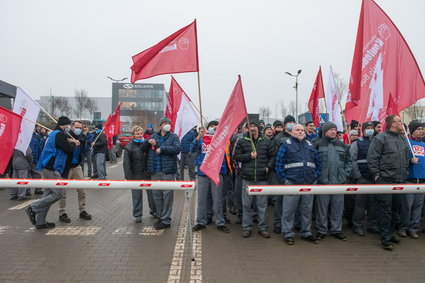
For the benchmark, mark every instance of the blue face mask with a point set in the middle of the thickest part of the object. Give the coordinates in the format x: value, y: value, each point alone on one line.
x: 98, y: 131
x: 67, y: 129
x: 139, y: 140
x: 289, y: 127
x: 211, y: 131
x: 77, y: 131
x: 369, y: 132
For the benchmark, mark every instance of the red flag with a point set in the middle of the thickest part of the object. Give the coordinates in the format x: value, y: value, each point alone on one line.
x: 382, y: 64
x: 177, y: 53
x: 112, y: 124
x: 233, y: 115
x: 10, y: 126
x: 174, y: 101
x: 391, y: 107
x: 317, y: 92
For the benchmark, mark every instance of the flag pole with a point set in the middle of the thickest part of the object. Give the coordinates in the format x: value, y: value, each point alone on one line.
x: 29, y: 120
x: 199, y: 76
x: 247, y: 121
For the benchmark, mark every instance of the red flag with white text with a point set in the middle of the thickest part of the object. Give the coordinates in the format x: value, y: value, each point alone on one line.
x: 178, y: 53
x: 317, y: 93
x: 10, y: 126
x: 111, y: 128
x: 382, y: 64
x: 232, y: 116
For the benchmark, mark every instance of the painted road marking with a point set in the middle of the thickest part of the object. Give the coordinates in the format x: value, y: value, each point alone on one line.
x: 74, y: 231
x: 196, y: 266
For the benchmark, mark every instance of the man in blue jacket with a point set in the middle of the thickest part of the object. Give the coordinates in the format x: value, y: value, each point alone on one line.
x: 52, y: 164
x: 162, y: 165
x: 297, y: 163
x: 205, y: 185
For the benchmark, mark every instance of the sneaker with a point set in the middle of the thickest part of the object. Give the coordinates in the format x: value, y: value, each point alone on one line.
x: 402, y: 233
x: 246, y: 233
x: 13, y: 197
x: 289, y: 240
x: 160, y: 226
x: 223, y: 229
x: 198, y: 227
x: 85, y: 215
x: 138, y: 219
x: 239, y: 221
x: 310, y: 239
x: 358, y: 231
x: 64, y: 218
x: 264, y: 234
x: 31, y: 214
x: 320, y: 236
x: 387, y: 245
x: 277, y: 230
x: 394, y: 240
x: 153, y: 214
x: 48, y: 225
x: 339, y: 236
x: 412, y: 235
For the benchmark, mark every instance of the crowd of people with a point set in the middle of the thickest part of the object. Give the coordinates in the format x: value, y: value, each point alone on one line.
x: 285, y: 153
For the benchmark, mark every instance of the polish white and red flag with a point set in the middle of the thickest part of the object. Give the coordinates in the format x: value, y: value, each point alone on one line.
x: 180, y: 111
x: 10, y: 126
x: 317, y: 93
x: 25, y: 106
x: 233, y: 115
x: 178, y: 53
x: 332, y: 102
x: 382, y: 64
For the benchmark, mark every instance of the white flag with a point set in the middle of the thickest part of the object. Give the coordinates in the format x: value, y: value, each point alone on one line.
x: 332, y: 104
x: 24, y: 105
x: 187, y: 118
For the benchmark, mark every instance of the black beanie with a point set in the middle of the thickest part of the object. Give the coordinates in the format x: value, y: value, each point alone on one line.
x: 277, y: 123
x: 353, y: 124
x: 99, y: 126
x: 256, y: 123
x: 366, y: 124
x: 414, y: 125
x: 327, y: 126
x: 63, y: 120
x: 288, y: 119
x: 212, y: 123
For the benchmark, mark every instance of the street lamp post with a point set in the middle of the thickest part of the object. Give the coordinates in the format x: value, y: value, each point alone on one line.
x: 116, y: 81
x: 296, y: 91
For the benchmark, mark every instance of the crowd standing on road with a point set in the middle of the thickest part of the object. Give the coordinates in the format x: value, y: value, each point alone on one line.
x: 285, y: 153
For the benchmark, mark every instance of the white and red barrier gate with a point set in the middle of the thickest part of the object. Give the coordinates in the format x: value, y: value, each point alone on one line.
x: 336, y: 189
x: 98, y: 184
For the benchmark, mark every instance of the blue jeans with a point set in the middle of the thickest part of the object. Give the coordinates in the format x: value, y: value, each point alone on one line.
x: 100, y: 166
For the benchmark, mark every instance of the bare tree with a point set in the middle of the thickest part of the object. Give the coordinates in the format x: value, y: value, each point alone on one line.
x: 414, y: 111
x: 81, y: 98
x: 283, y: 110
x: 91, y: 106
x: 292, y: 108
x: 63, y: 106
x: 262, y: 111
x: 341, y: 85
x: 267, y: 114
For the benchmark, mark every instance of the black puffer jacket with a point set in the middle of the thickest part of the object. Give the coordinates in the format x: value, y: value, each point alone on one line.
x: 255, y: 169
x: 135, y: 160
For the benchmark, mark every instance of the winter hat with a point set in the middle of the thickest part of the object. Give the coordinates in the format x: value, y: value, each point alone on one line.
x: 288, y: 119
x: 414, y: 125
x: 353, y: 132
x: 256, y: 123
x: 99, y: 126
x: 367, y: 124
x: 268, y: 126
x: 164, y: 120
x: 277, y: 123
x: 63, y: 120
x: 353, y: 124
x: 327, y: 126
x: 212, y: 123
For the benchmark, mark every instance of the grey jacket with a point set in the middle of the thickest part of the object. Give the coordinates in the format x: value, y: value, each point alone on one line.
x: 21, y: 161
x: 335, y: 161
x: 389, y: 157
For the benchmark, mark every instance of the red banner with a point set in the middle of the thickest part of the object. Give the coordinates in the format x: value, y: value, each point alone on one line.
x: 112, y: 124
x: 382, y: 64
x: 177, y: 53
x: 10, y: 126
x: 233, y: 115
x: 317, y: 93
x: 174, y: 101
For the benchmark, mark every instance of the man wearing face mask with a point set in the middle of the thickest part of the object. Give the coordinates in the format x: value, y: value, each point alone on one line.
x: 289, y: 123
x: 335, y: 164
x: 297, y: 162
x: 360, y: 173
x: 75, y: 160
x: 99, y: 153
x: 205, y: 185
x: 162, y: 165
x: 256, y: 154
x: 52, y: 164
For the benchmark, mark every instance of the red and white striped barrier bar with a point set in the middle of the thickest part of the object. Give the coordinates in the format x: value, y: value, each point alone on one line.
x: 336, y: 189
x: 97, y: 184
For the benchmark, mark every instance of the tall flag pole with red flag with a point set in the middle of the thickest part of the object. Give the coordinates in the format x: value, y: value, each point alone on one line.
x: 317, y: 93
x: 178, y: 53
x: 233, y: 115
x: 378, y: 69
x: 10, y: 126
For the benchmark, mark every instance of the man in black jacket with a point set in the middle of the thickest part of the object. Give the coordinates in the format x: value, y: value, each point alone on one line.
x: 74, y: 162
x: 256, y: 154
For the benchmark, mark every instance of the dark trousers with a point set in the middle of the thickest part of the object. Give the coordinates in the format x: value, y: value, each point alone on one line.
x: 388, y: 216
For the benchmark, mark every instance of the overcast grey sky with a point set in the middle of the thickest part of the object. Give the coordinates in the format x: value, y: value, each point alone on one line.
x: 68, y: 45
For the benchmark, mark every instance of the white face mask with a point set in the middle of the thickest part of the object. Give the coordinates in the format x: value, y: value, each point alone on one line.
x: 166, y: 128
